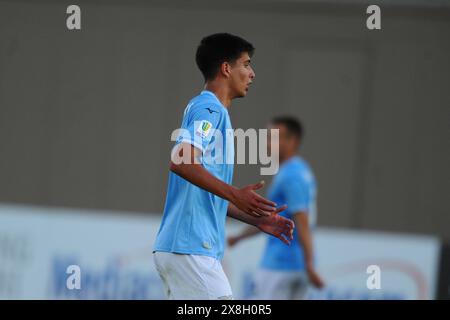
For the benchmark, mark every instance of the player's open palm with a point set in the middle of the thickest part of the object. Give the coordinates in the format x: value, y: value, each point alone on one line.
x: 278, y: 226
x: 252, y: 203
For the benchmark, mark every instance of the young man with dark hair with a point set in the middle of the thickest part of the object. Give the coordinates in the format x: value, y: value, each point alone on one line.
x: 190, y: 241
x: 284, y: 271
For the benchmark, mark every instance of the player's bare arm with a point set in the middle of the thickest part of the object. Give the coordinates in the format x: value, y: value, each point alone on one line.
x: 248, y: 232
x: 274, y: 224
x: 246, y: 199
x: 304, y: 237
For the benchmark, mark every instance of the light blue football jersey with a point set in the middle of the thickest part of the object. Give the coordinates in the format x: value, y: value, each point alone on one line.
x: 194, y: 219
x: 294, y: 185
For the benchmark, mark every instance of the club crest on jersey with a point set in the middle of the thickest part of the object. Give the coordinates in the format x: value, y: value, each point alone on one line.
x: 203, y: 129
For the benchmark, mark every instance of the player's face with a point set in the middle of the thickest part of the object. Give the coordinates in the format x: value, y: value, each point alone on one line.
x: 276, y: 143
x: 286, y: 143
x: 241, y: 75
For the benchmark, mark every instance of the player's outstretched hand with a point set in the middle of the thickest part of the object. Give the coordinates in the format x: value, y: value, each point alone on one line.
x: 315, y: 278
x: 252, y: 203
x: 278, y: 226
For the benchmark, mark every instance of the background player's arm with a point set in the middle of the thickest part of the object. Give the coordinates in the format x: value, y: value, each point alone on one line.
x: 246, y: 233
x: 274, y: 225
x: 304, y: 237
x: 246, y: 199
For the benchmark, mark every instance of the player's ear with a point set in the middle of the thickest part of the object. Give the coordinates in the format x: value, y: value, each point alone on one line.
x: 225, y: 69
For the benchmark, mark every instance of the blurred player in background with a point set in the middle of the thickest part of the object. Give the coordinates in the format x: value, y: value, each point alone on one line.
x: 191, y: 238
x: 286, y: 271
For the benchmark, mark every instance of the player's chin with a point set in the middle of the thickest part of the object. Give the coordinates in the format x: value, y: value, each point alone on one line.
x: 243, y: 93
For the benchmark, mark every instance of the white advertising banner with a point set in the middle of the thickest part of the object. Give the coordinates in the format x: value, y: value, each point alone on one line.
x: 354, y: 264
x: 114, y: 254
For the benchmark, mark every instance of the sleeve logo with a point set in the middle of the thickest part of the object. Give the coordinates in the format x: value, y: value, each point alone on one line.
x: 203, y: 129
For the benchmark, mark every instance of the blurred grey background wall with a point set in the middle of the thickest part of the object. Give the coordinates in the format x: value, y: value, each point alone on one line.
x: 86, y: 116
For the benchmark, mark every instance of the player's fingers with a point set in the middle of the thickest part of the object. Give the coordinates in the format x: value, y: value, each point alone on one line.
x: 258, y: 185
x: 283, y: 239
x: 288, y: 229
x: 291, y: 224
x: 282, y: 221
x: 285, y: 229
x: 289, y: 232
x: 288, y: 222
x: 319, y: 283
x: 265, y: 201
x: 282, y: 208
x: 265, y: 208
x: 262, y: 213
x: 253, y: 212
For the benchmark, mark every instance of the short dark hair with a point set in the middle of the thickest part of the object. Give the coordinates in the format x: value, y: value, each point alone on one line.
x: 292, y: 124
x: 217, y: 48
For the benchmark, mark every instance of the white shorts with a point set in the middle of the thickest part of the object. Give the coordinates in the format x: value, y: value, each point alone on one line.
x: 280, y: 285
x: 192, y: 277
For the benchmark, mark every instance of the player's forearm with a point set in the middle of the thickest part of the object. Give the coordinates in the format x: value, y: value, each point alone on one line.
x: 198, y: 175
x: 305, y: 239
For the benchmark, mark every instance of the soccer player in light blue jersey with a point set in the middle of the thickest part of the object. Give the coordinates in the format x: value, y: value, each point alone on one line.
x: 190, y: 241
x: 286, y: 271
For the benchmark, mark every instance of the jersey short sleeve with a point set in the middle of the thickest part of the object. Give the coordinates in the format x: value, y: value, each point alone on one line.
x: 199, y: 125
x: 297, y: 194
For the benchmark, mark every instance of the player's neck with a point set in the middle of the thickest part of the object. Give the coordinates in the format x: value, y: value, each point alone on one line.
x: 287, y: 156
x: 220, y: 91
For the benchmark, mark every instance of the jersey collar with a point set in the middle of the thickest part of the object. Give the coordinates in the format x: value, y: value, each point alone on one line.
x: 210, y: 93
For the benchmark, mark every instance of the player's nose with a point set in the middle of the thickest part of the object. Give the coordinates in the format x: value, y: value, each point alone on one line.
x: 252, y: 74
